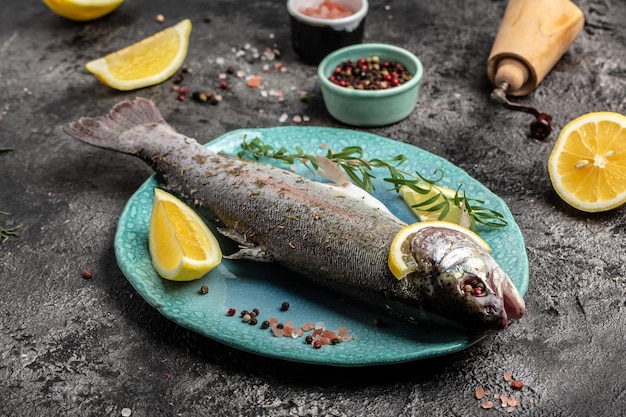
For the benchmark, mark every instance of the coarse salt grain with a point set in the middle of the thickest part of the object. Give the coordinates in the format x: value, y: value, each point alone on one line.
x: 517, y: 384
x: 283, y: 118
x: 126, y: 412
x: 480, y: 392
x: 513, y: 402
x: 253, y: 81
x: 487, y: 404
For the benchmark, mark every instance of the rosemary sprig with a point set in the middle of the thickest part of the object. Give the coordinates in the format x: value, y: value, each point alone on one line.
x: 359, y: 170
x: 6, y: 232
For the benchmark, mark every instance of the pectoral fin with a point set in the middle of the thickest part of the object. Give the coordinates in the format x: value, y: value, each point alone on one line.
x: 257, y: 254
x: 247, y: 249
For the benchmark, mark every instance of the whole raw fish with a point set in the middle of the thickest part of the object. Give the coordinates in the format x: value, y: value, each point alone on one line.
x: 317, y: 230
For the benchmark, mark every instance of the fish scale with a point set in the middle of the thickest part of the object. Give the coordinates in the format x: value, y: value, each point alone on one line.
x: 317, y: 230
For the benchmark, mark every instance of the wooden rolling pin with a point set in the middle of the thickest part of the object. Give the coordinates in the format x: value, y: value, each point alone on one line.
x: 532, y: 37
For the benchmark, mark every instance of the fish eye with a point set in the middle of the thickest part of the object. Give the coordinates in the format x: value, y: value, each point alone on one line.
x: 473, y: 286
x: 490, y: 310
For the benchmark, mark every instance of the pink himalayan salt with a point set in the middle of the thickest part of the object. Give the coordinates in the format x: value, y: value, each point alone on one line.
x: 327, y: 10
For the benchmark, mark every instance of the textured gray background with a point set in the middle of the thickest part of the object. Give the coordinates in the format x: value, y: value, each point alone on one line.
x: 77, y: 347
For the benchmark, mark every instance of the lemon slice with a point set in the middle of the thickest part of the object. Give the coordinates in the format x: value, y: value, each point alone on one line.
x: 147, y: 62
x: 181, y: 245
x: 430, y: 206
x: 83, y: 10
x: 587, y: 165
x: 400, y: 260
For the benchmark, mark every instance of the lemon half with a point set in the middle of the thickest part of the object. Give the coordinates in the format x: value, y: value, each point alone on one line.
x: 83, y: 10
x: 587, y: 165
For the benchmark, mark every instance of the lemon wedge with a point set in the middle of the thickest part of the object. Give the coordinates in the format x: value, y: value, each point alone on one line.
x: 83, y: 10
x: 430, y: 206
x: 400, y: 260
x: 148, y: 62
x: 587, y: 165
x: 181, y: 245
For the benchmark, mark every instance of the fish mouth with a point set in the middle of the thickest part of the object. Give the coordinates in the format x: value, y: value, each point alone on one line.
x: 503, y: 299
x: 487, y: 299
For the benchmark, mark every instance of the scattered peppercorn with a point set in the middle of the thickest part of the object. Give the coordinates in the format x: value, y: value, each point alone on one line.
x: 256, y: 311
x: 284, y: 306
x: 246, y: 318
x: 369, y: 74
x: 224, y: 85
x: 253, y: 321
x: 231, y: 312
x: 473, y: 287
x: 160, y: 18
x: 308, y: 340
x: 204, y: 289
x: 230, y: 69
x: 207, y: 19
x: 317, y: 344
x: 265, y: 324
x: 87, y: 274
x: 280, y: 326
x: 182, y: 93
x: 244, y: 312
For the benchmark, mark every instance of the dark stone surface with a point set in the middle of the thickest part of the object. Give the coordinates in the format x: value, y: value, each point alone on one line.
x: 76, y: 347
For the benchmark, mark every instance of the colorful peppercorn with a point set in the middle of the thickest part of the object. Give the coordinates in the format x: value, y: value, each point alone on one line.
x: 369, y: 74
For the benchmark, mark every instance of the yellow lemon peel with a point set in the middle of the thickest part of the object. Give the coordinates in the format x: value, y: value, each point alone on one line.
x: 181, y: 245
x: 148, y: 62
x: 83, y: 10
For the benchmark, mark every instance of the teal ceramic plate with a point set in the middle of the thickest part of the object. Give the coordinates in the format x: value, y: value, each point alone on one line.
x: 248, y: 285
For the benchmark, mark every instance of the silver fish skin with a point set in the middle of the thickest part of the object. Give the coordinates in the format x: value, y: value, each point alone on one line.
x: 314, y: 229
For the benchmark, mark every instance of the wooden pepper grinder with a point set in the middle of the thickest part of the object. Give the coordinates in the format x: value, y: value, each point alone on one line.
x: 533, y: 36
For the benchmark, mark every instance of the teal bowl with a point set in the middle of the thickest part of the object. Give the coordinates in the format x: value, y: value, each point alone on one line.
x: 370, y: 108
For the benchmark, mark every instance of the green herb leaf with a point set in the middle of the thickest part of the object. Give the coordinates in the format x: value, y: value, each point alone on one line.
x: 359, y: 171
x: 6, y: 232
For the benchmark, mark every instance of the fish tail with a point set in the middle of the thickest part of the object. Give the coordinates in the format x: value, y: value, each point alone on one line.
x: 120, y: 130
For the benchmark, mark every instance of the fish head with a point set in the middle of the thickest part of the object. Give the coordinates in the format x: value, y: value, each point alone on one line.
x: 465, y: 284
x: 473, y: 293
